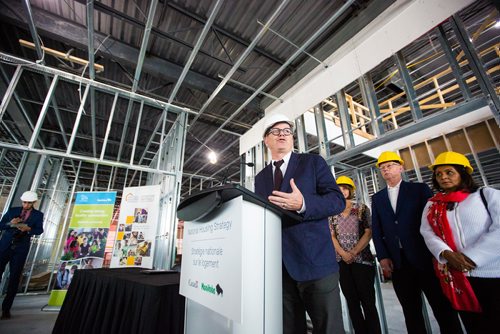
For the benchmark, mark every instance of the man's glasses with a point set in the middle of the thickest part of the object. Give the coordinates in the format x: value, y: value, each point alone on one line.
x: 388, y: 166
x: 277, y: 131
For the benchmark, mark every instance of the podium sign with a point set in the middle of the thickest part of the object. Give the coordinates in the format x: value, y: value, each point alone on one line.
x: 211, y: 260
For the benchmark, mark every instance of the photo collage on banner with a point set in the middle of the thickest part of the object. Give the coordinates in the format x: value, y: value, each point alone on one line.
x: 85, y: 241
x: 136, y: 231
x: 83, y: 249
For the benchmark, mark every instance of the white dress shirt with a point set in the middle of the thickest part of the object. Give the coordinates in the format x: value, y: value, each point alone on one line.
x: 284, y: 166
x: 393, y: 193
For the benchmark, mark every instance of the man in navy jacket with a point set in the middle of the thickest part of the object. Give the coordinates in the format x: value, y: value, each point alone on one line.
x: 310, y: 270
x: 18, y: 225
x: 401, y: 250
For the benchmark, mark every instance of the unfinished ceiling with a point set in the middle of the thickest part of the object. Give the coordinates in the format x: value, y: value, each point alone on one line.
x: 144, y: 46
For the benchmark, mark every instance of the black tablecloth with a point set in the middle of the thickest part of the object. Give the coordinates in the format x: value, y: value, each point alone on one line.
x: 122, y: 301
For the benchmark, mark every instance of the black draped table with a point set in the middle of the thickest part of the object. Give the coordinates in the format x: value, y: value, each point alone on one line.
x: 122, y: 300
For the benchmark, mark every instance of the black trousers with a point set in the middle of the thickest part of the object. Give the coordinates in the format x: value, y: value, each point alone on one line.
x: 320, y: 298
x: 487, y: 291
x: 408, y: 283
x: 356, y: 281
x: 15, y: 256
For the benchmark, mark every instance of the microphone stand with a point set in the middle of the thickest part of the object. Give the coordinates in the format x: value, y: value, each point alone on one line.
x: 226, y: 172
x: 224, y: 179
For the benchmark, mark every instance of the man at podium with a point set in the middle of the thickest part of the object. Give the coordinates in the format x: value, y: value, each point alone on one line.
x: 303, y: 183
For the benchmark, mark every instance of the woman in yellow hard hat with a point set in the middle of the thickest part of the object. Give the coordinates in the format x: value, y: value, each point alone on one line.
x: 351, y: 234
x: 461, y: 227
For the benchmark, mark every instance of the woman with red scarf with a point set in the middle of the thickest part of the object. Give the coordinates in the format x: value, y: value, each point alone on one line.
x: 461, y: 227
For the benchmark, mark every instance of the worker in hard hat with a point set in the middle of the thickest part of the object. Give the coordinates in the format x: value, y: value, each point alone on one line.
x: 461, y: 227
x: 351, y: 234
x: 18, y: 225
x: 403, y: 255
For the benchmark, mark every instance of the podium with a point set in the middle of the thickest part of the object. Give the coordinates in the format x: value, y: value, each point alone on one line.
x: 231, y: 262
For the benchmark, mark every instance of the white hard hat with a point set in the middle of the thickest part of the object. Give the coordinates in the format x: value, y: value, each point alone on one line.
x: 274, y: 119
x: 29, y: 196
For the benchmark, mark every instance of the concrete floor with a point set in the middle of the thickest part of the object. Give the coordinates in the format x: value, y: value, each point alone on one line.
x: 28, y: 317
x: 394, y: 313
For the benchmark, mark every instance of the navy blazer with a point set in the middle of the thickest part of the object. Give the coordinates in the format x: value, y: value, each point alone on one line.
x: 307, y: 246
x: 35, y: 221
x: 389, y: 228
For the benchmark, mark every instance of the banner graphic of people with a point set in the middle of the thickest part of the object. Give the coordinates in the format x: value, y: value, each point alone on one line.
x: 137, y: 224
x: 85, y: 241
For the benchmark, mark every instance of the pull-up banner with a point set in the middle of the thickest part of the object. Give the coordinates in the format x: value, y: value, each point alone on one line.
x: 86, y: 239
x: 137, y: 224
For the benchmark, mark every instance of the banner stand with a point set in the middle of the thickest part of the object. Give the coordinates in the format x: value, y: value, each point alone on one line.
x: 85, y: 242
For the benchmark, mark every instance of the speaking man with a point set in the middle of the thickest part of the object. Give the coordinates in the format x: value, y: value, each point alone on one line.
x: 303, y: 183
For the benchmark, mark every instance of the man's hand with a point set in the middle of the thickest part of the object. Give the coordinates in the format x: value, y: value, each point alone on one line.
x: 387, y: 267
x: 289, y: 201
x: 16, y: 220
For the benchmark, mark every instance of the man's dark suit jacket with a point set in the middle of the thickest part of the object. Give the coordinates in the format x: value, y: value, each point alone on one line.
x: 389, y: 227
x: 35, y: 221
x: 307, y: 246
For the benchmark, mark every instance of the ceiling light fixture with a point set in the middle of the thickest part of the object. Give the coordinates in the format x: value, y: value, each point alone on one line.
x: 212, y: 157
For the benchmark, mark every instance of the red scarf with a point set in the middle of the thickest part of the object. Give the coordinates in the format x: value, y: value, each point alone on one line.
x: 454, y: 284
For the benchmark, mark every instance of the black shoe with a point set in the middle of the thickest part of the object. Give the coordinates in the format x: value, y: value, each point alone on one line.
x: 5, y: 315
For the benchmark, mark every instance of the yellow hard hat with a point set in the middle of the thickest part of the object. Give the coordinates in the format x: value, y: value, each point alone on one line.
x: 388, y: 156
x: 346, y: 181
x: 452, y: 158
